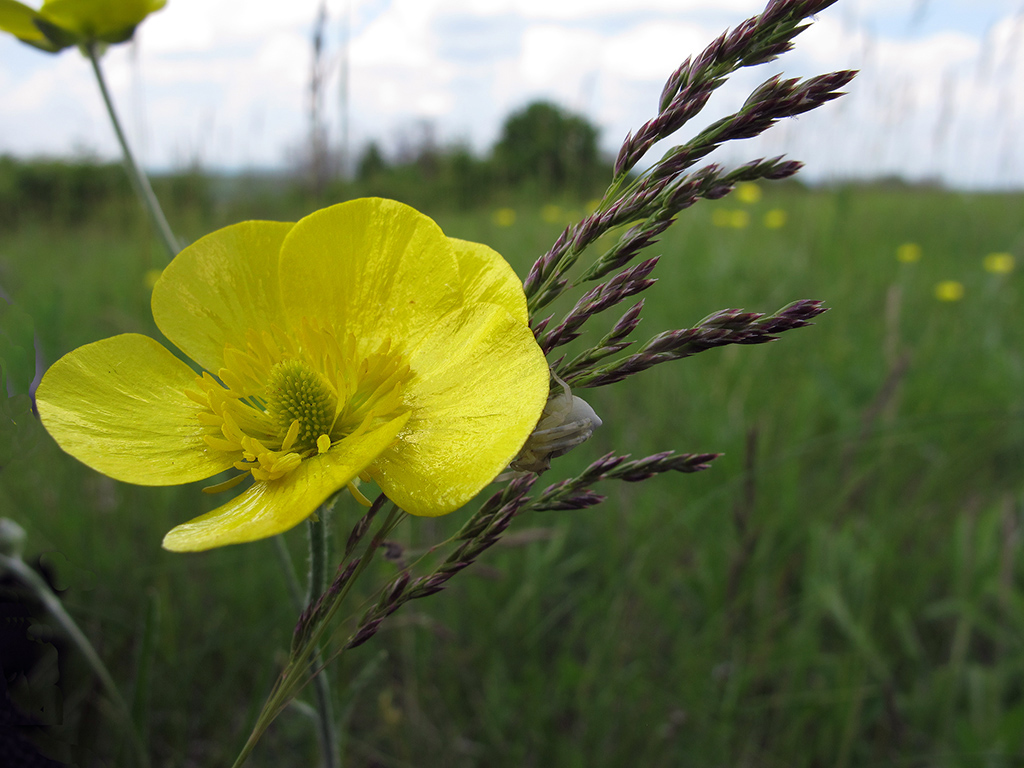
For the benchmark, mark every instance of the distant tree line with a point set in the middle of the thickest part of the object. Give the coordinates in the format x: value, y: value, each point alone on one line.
x: 71, y: 191
x: 543, y: 152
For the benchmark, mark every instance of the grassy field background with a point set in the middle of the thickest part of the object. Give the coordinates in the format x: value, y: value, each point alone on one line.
x: 843, y: 588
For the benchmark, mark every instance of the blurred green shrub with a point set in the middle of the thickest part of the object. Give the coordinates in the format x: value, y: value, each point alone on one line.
x: 546, y: 147
x: 63, y: 191
x: 544, y: 152
x: 74, y: 190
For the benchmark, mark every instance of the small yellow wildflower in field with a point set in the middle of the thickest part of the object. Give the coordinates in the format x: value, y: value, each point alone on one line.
x: 358, y: 343
x: 724, y: 217
x: 504, y: 217
x: 908, y: 253
x: 949, y: 290
x: 551, y: 213
x: 999, y: 263
x: 748, y: 192
x: 62, y: 23
x: 775, y: 218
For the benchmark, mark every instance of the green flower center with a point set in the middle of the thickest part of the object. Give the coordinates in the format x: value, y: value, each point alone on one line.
x: 297, y: 393
x: 290, y: 396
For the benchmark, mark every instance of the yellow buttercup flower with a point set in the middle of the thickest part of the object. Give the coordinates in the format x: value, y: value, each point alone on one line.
x: 949, y: 290
x: 748, y: 192
x: 151, y: 277
x: 908, y: 253
x: 999, y: 263
x: 775, y: 218
x: 62, y: 23
x: 505, y: 217
x: 552, y: 214
x: 724, y: 217
x: 360, y: 342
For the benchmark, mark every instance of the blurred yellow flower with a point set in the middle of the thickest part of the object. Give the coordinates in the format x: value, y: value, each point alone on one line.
x: 504, y: 217
x: 949, y: 290
x: 62, y: 23
x: 908, y: 253
x: 151, y: 276
x: 360, y: 342
x: 724, y: 217
x: 551, y: 213
x: 999, y: 263
x: 775, y: 218
x: 748, y: 192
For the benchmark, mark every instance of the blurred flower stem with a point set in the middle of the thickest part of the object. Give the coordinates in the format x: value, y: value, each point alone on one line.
x: 138, y: 178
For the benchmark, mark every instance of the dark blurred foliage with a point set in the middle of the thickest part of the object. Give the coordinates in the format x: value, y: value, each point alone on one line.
x: 35, y: 725
x: 544, y: 152
x: 550, y: 149
x: 72, y: 191
x: 62, y: 191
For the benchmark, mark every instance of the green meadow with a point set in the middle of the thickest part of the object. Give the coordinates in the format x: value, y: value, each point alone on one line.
x: 844, y: 587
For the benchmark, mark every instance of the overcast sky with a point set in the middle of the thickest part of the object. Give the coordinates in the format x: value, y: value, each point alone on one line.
x: 224, y: 83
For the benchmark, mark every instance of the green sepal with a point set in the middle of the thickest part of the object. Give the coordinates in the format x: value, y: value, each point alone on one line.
x: 120, y: 36
x: 57, y: 36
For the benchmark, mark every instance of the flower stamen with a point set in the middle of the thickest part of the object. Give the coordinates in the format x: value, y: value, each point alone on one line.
x: 287, y: 398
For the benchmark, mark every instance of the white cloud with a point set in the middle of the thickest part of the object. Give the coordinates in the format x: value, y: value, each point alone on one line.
x: 226, y: 81
x: 586, y: 9
x: 556, y: 58
x: 652, y: 50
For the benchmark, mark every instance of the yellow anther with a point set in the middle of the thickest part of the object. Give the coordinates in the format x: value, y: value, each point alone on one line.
x: 285, y: 398
x: 358, y: 496
x: 227, y: 484
x: 291, y: 435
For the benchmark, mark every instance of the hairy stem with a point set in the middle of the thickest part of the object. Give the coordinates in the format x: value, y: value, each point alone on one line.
x: 318, y: 557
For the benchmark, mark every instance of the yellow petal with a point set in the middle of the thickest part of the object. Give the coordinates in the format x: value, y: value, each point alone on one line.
x: 112, y: 21
x: 119, y: 406
x: 218, y: 288
x: 481, y: 383
x: 269, y: 508
x: 375, y: 268
x: 18, y: 19
x: 486, y: 276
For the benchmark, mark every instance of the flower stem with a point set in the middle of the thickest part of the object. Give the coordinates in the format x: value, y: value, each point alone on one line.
x: 323, y: 713
x: 318, y: 557
x: 138, y: 178
x: 32, y: 580
x: 305, y: 657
